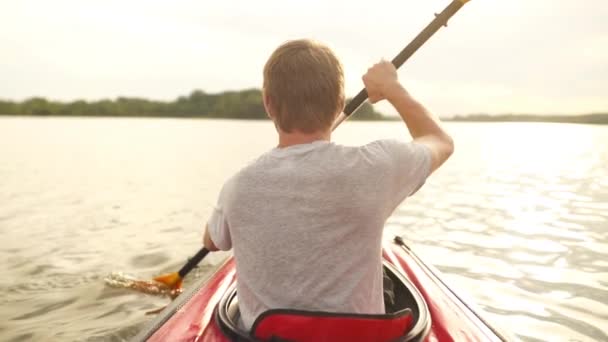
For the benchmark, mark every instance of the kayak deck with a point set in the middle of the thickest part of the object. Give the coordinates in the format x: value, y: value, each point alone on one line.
x: 193, y: 315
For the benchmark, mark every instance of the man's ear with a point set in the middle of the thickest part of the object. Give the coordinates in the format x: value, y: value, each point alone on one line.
x: 267, y: 105
x: 341, y: 105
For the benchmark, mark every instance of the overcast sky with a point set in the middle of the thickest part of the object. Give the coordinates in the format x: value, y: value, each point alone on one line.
x: 497, y: 56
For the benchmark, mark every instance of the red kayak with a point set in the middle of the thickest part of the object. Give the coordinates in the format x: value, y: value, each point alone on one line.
x: 424, y: 309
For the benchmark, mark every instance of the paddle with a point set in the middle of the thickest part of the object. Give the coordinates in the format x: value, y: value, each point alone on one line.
x: 440, y: 20
x: 174, y: 280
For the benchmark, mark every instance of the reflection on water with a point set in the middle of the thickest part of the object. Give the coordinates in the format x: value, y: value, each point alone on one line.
x: 518, y: 218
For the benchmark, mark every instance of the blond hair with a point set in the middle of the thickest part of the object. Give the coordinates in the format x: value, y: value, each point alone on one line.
x: 304, y: 82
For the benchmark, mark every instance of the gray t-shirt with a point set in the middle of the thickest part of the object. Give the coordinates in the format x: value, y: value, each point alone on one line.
x: 306, y: 221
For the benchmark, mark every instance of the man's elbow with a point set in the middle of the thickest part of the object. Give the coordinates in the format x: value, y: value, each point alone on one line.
x: 210, y: 246
x: 445, y: 150
x: 449, y: 146
x: 208, y: 243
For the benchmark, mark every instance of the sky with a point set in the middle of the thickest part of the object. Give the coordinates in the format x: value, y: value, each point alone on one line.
x: 495, y: 56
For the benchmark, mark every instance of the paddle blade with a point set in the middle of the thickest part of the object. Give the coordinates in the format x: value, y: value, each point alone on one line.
x: 172, y: 280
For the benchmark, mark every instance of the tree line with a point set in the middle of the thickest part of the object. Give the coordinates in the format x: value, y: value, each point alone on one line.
x: 244, y: 104
x: 594, y: 118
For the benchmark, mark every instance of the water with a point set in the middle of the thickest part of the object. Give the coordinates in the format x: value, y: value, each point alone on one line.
x: 518, y: 218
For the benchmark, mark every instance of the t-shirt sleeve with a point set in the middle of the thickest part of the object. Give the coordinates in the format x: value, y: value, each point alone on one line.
x: 219, y: 230
x: 407, y: 165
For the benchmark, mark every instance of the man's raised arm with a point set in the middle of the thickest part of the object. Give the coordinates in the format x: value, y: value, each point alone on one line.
x: 381, y: 83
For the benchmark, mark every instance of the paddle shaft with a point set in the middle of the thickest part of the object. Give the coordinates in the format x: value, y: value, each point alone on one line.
x: 440, y: 20
x: 193, y: 262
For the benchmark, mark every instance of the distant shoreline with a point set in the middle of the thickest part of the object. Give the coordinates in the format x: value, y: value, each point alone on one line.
x: 243, y: 104
x: 588, y: 119
x: 593, y: 119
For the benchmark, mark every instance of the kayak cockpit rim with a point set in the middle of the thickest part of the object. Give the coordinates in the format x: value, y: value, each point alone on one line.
x: 406, y: 296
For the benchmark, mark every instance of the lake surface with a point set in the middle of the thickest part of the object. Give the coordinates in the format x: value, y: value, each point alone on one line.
x: 518, y: 218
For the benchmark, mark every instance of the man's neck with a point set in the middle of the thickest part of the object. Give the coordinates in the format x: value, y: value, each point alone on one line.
x: 298, y: 138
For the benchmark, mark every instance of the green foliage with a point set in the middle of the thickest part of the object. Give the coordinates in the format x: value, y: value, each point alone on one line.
x: 367, y: 112
x: 8, y: 107
x: 244, y: 104
x: 595, y: 118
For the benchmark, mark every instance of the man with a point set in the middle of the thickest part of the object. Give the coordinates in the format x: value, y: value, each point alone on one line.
x: 305, y: 219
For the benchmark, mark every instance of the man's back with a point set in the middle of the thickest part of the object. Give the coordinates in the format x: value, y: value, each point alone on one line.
x: 305, y: 223
x: 306, y: 219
